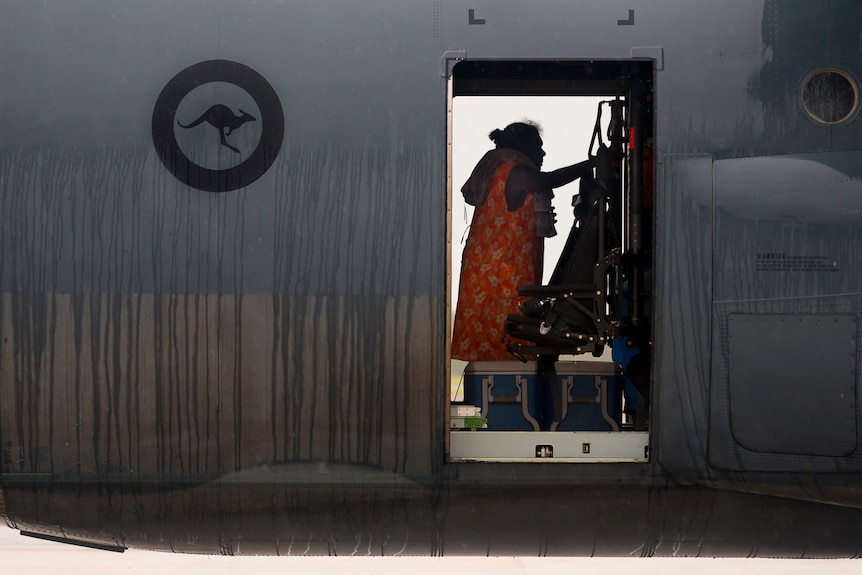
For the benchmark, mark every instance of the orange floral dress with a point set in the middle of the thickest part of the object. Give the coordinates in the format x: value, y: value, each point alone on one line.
x: 502, y: 253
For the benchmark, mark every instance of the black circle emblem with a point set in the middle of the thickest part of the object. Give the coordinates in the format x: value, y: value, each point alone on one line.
x: 215, y: 115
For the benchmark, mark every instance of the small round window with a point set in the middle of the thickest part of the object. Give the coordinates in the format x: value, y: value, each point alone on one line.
x: 829, y: 96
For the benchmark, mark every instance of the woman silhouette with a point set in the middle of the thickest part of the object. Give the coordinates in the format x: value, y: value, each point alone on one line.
x: 505, y: 245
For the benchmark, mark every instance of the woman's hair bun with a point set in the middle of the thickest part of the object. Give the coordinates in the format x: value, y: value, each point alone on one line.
x: 514, y: 134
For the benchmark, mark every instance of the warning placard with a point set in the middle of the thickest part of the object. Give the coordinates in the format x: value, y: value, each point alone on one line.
x: 782, y: 262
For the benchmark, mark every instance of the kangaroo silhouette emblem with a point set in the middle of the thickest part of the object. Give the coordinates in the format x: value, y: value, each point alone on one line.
x: 221, y: 117
x: 268, y: 131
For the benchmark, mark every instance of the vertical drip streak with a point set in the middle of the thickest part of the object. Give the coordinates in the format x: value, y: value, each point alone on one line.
x: 155, y: 330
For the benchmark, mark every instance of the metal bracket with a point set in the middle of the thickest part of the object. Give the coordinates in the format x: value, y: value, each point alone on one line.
x: 524, y: 398
x: 487, y: 384
x: 568, y: 384
x: 448, y: 61
x: 602, y: 387
x: 654, y: 53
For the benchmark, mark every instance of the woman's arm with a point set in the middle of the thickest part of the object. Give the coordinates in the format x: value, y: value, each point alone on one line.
x: 567, y: 175
x: 523, y: 180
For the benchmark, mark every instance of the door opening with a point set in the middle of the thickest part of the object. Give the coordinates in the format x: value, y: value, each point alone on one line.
x: 569, y: 388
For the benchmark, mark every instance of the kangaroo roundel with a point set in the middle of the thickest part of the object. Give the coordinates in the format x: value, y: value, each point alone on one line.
x: 218, y: 126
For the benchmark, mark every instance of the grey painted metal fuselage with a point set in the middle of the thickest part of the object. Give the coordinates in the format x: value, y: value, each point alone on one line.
x: 263, y: 369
